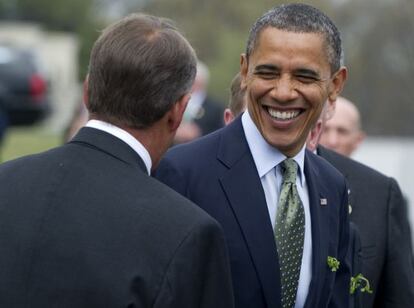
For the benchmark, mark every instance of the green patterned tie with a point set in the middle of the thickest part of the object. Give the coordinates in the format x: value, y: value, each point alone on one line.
x: 289, y: 233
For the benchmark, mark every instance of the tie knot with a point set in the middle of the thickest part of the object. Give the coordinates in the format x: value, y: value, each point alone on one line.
x: 289, y: 170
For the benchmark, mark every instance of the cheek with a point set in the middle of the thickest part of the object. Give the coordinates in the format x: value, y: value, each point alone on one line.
x: 253, y: 107
x: 351, y: 139
x: 259, y: 88
x: 317, y: 98
x: 256, y: 92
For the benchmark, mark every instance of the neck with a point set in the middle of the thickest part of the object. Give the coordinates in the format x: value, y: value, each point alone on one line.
x: 153, y: 140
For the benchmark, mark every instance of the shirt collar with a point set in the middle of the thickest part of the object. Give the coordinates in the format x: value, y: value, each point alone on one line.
x: 124, y: 136
x: 265, y: 156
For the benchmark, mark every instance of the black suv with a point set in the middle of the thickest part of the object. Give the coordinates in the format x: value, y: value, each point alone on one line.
x: 23, y: 89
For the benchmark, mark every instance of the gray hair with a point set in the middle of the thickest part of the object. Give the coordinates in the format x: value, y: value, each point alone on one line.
x: 139, y: 67
x: 298, y: 17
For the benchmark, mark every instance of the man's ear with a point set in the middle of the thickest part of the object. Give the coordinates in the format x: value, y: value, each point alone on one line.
x: 329, y: 110
x: 337, y: 83
x: 177, y: 111
x: 228, y: 116
x: 85, y: 92
x: 314, y: 136
x: 244, y: 68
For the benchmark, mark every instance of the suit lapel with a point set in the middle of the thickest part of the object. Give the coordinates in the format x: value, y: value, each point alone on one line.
x: 337, y: 163
x: 110, y: 145
x: 244, y: 191
x: 319, y: 210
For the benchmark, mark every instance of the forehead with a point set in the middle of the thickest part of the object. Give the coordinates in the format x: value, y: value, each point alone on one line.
x: 344, y: 116
x: 295, y: 47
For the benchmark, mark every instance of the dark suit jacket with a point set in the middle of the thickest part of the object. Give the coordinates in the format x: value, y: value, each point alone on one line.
x: 83, y: 225
x: 218, y: 173
x: 355, y: 260
x: 379, y: 211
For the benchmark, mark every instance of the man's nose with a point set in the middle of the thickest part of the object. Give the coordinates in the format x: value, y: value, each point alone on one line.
x: 284, y: 89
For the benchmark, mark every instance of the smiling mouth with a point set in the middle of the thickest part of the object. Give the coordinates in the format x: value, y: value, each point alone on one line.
x: 283, y: 115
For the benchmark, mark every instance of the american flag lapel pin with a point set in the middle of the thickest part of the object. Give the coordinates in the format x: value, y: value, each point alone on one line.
x: 324, y: 201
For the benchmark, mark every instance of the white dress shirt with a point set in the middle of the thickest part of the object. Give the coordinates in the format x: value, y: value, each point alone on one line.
x: 267, y: 159
x: 126, y: 137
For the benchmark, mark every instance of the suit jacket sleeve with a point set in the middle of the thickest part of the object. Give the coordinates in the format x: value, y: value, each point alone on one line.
x: 341, y: 289
x: 397, y: 287
x: 199, y: 273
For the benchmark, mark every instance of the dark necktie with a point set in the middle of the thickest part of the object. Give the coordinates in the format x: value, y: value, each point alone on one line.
x: 289, y: 233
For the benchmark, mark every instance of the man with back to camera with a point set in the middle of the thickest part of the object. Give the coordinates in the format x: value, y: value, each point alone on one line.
x: 283, y: 251
x: 378, y: 210
x: 84, y: 225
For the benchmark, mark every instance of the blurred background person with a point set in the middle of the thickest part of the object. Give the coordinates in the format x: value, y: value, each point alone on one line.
x: 376, y: 206
x: 237, y: 103
x: 342, y: 132
x: 203, y: 114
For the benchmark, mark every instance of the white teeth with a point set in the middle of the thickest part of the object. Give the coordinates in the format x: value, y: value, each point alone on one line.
x: 283, y: 115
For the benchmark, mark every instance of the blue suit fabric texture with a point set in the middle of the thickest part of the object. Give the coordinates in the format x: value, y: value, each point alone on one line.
x: 217, y: 172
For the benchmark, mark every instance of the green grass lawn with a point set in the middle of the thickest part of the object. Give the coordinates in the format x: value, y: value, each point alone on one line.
x: 20, y: 141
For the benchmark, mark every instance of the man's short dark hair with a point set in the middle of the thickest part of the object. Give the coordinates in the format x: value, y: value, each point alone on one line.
x: 297, y: 17
x: 139, y: 67
x: 237, y: 102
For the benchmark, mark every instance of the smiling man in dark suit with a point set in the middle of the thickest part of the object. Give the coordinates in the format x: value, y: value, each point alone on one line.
x: 84, y: 225
x: 378, y: 212
x: 242, y: 174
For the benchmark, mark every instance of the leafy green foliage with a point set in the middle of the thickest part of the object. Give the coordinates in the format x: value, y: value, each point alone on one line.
x: 333, y: 263
x: 361, y: 283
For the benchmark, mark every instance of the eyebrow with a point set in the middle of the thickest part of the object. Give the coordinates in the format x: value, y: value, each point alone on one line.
x: 266, y: 67
x: 304, y: 71
x: 308, y: 72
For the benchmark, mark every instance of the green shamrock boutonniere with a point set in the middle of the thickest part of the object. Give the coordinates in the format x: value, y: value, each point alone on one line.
x: 361, y: 283
x: 333, y: 263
